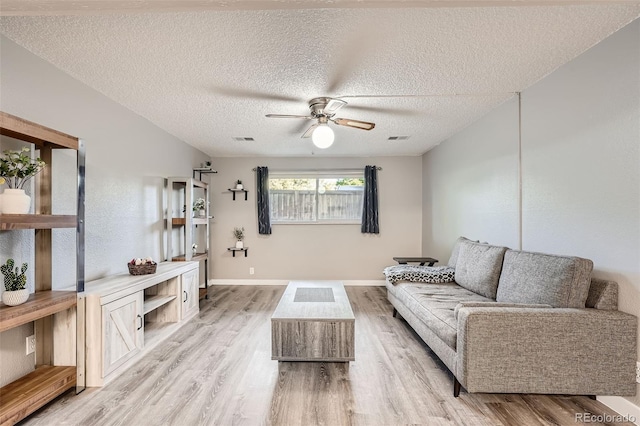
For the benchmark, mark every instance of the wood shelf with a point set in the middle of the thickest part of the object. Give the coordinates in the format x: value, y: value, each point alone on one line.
x: 22, y: 397
x: 233, y: 250
x: 154, y: 331
x: 234, y: 190
x: 197, y: 256
x: 37, y: 221
x: 181, y: 221
x: 39, y: 305
x: 26, y: 130
x: 154, y: 302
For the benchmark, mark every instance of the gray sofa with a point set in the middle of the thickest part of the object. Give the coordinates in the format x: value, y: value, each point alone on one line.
x: 522, y: 322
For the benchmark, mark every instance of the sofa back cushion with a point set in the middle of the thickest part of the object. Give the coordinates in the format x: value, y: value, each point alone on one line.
x: 456, y: 250
x: 559, y: 281
x: 478, y: 267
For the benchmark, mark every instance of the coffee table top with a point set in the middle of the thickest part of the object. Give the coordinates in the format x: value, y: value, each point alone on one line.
x: 314, y: 300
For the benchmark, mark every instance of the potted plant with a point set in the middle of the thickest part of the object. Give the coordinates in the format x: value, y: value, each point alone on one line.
x: 239, y: 184
x: 238, y: 233
x: 15, y: 284
x: 199, y: 206
x: 16, y: 168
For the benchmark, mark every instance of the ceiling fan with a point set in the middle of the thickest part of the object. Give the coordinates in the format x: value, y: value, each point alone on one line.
x: 323, y: 109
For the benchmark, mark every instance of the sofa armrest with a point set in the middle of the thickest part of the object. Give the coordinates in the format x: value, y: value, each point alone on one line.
x: 496, y: 305
x: 532, y: 350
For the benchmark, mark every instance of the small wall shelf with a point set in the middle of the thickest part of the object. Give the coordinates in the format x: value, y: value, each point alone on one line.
x: 201, y: 170
x: 233, y: 190
x: 233, y: 250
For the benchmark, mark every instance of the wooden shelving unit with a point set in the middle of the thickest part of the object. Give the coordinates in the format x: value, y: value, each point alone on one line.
x: 187, y: 190
x: 27, y: 394
x: 36, y: 221
x: 59, y: 356
x: 39, y: 305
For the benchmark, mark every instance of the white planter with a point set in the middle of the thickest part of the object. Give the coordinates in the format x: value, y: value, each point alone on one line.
x: 202, y: 213
x: 239, y: 186
x: 15, y: 201
x: 239, y: 244
x: 14, y: 298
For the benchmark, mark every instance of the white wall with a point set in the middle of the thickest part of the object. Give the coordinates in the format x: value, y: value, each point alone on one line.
x: 338, y: 252
x: 471, y: 185
x: 580, y: 168
x: 127, y: 161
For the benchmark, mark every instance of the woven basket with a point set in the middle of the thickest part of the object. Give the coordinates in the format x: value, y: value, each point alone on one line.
x: 147, y: 268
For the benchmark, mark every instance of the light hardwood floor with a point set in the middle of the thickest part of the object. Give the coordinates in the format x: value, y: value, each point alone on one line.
x: 217, y: 370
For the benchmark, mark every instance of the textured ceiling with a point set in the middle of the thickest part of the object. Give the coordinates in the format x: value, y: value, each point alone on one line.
x: 208, y: 76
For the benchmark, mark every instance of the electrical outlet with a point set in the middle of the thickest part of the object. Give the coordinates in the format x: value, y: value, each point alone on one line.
x: 252, y: 271
x: 637, y: 372
x: 31, y: 344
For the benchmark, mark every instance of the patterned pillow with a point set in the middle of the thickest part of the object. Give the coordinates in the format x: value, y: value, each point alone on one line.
x: 420, y: 274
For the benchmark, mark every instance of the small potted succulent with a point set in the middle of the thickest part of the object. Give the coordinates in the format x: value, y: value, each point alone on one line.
x: 239, y: 184
x: 16, y: 168
x: 238, y: 233
x: 15, y: 284
x: 200, y: 206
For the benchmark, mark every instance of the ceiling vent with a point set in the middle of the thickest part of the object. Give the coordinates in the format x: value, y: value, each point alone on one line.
x: 243, y: 138
x: 398, y: 138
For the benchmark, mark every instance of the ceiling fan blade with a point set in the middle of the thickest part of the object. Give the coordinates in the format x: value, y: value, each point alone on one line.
x: 394, y: 111
x: 310, y: 130
x: 306, y: 117
x: 356, y: 124
x: 333, y: 106
x: 236, y: 92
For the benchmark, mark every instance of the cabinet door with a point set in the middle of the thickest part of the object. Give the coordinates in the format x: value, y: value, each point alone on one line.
x: 190, y: 302
x: 122, y: 331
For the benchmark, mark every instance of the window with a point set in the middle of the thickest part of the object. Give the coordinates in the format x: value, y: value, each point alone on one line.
x: 316, y: 197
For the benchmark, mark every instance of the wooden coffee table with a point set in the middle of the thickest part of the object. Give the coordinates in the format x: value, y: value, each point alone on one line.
x: 313, y: 322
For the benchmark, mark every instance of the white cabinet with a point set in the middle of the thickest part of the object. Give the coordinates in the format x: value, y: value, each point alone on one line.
x: 127, y: 316
x: 123, y: 331
x: 190, y: 306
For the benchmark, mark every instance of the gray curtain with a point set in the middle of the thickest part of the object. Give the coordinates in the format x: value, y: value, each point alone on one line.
x: 262, y: 185
x: 370, y: 205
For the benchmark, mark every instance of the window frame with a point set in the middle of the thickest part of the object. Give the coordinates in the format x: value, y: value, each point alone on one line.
x: 318, y: 175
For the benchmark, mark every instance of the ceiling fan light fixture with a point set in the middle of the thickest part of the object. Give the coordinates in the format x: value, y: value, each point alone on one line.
x: 323, y: 136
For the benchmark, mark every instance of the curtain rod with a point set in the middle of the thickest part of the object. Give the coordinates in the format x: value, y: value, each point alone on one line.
x: 320, y: 170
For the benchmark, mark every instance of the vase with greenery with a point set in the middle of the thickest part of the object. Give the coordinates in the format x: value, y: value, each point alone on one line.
x: 200, y: 206
x: 238, y: 233
x: 16, y: 168
x: 239, y: 184
x: 15, y: 283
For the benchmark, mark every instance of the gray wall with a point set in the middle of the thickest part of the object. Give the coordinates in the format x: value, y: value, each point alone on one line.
x: 338, y: 252
x: 127, y: 161
x: 580, y: 169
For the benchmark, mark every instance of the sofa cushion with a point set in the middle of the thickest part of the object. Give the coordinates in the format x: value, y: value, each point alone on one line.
x: 478, y: 267
x: 434, y: 304
x: 559, y: 281
x: 493, y: 304
x: 419, y: 274
x: 456, y: 250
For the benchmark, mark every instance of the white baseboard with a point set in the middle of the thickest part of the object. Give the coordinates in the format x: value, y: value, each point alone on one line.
x: 213, y: 282
x: 622, y: 406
